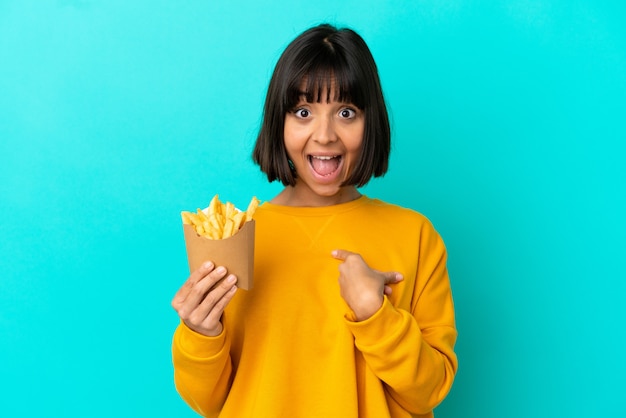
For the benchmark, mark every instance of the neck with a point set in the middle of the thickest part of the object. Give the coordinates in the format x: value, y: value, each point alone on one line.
x: 290, y: 196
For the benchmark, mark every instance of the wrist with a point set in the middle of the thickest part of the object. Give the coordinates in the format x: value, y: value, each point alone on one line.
x: 367, y: 308
x: 212, y: 332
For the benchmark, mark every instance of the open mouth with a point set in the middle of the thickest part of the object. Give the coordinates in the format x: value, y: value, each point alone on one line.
x: 325, y: 165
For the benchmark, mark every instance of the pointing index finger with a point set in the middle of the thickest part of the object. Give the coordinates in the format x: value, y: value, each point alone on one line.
x: 341, y: 254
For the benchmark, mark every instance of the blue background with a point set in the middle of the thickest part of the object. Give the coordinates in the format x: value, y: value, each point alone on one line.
x: 509, y: 131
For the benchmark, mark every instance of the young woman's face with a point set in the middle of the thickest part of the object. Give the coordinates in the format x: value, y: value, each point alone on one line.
x: 323, y: 140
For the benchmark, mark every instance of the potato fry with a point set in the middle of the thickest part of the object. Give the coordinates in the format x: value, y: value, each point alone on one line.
x: 212, y: 234
x: 186, y: 218
x: 201, y: 216
x: 254, y: 203
x: 239, y: 219
x: 219, y: 220
x: 228, y: 228
x: 215, y: 206
x: 195, y: 219
x: 215, y: 220
x: 229, y: 210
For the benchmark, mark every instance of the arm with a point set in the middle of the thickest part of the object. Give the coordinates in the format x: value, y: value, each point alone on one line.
x: 412, y: 350
x: 200, y: 347
x: 202, y: 369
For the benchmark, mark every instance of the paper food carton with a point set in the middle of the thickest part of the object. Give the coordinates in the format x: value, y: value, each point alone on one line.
x: 224, y: 235
x: 236, y: 253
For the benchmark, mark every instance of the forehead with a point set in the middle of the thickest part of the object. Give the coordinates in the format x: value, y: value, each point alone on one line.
x: 321, y: 93
x: 323, y: 87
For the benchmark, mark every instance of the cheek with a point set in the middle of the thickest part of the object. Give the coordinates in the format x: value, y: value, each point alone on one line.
x: 292, y: 139
x: 293, y: 145
x: 354, y: 143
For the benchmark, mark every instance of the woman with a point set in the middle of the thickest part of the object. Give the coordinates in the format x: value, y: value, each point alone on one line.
x: 351, y: 314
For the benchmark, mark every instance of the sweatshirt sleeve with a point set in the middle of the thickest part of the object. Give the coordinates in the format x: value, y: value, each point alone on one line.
x: 202, y: 369
x: 412, y: 352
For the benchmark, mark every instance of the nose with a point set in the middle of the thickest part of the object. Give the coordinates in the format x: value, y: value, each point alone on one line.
x: 324, y: 132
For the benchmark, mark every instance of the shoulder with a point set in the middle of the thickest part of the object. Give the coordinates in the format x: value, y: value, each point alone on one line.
x: 402, y: 219
x: 394, y: 211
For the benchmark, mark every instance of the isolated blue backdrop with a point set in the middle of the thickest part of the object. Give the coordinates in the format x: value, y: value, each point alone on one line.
x: 509, y: 132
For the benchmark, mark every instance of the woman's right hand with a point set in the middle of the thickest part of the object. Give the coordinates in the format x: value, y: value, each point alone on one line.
x: 200, y: 303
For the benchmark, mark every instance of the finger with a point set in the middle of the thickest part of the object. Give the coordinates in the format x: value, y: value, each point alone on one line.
x: 202, y: 286
x: 341, y: 254
x: 193, y: 278
x: 196, y: 276
x: 208, y: 313
x: 212, y: 307
x: 199, y: 290
x: 392, y: 277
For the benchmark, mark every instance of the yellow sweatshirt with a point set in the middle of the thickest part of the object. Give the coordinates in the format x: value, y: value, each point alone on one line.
x: 290, y: 346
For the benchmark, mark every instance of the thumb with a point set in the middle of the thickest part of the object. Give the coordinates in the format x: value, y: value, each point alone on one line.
x: 392, y: 277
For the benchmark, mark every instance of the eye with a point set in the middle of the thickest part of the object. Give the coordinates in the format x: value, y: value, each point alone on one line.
x: 302, y: 113
x: 347, y: 113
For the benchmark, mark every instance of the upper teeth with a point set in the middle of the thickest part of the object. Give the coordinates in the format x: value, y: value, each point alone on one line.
x: 322, y: 157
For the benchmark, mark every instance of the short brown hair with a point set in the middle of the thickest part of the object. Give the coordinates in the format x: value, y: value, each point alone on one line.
x: 316, y: 56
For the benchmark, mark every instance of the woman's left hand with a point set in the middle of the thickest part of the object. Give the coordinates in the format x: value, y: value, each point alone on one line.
x: 362, y: 287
